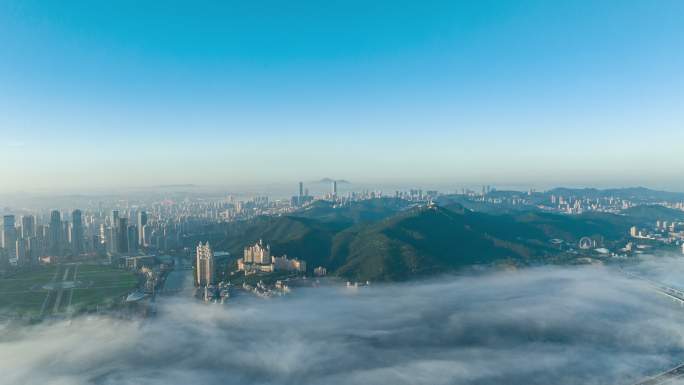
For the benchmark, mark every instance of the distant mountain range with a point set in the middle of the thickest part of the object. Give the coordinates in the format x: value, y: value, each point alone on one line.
x: 632, y: 193
x: 330, y: 180
x: 174, y: 186
x: 391, y: 239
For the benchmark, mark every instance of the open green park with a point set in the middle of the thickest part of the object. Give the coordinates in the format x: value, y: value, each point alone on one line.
x: 63, y: 289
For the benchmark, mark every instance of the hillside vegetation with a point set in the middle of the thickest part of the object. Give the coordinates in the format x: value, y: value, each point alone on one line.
x: 387, y: 239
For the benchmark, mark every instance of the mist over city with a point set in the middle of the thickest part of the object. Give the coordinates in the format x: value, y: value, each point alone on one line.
x: 535, y: 326
x: 360, y: 192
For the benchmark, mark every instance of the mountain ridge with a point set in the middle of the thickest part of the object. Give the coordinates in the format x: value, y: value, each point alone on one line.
x: 399, y: 241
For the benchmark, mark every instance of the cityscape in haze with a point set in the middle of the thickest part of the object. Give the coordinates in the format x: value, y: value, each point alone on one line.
x: 263, y: 192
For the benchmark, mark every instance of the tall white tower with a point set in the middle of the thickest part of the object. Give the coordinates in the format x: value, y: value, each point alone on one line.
x: 205, y: 265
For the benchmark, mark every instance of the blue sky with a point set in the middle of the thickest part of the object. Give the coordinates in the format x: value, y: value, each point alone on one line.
x: 118, y: 94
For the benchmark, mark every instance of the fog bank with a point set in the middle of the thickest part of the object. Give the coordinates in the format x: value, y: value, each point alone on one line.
x: 588, y: 325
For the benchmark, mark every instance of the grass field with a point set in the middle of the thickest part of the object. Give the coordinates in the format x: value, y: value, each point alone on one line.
x: 23, y: 294
x: 103, y: 285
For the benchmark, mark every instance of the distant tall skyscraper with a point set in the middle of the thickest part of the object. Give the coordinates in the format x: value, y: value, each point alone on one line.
x: 9, y: 234
x: 122, y: 232
x: 8, y: 221
x: 38, y: 245
x: 66, y: 234
x: 22, y: 251
x: 112, y: 240
x: 115, y: 218
x: 299, y: 199
x: 132, y: 239
x: 55, y: 240
x: 102, y: 233
x: 334, y: 188
x: 142, y: 221
x: 77, y: 234
x: 28, y: 226
x: 147, y: 235
x: 205, y: 265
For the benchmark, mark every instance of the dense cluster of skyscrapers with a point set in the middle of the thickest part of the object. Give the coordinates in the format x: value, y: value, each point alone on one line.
x: 302, y: 198
x: 130, y: 228
x: 28, y: 240
x: 93, y: 233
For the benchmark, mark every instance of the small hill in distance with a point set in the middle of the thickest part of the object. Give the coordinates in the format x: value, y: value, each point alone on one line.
x: 330, y: 180
x: 353, y: 213
x: 649, y: 214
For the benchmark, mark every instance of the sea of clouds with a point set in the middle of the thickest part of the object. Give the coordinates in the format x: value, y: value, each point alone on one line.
x: 580, y: 325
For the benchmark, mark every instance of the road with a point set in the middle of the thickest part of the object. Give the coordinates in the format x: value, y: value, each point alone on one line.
x: 670, y: 292
x: 71, y: 290
x: 58, y: 298
x: 49, y: 302
x: 672, y: 375
x: 676, y: 373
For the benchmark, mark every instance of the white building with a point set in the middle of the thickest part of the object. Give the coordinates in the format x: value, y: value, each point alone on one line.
x: 205, y: 265
x: 258, y: 254
x: 258, y: 258
x: 283, y: 263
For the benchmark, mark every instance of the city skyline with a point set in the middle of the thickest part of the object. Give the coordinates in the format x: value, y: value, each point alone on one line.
x: 98, y: 96
x: 342, y: 192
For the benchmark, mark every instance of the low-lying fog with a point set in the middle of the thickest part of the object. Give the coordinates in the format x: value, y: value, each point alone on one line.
x: 585, y: 325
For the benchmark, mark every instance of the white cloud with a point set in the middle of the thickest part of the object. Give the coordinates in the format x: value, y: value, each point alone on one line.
x: 538, y: 326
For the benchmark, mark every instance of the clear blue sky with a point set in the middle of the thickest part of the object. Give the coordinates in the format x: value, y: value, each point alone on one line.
x: 130, y: 93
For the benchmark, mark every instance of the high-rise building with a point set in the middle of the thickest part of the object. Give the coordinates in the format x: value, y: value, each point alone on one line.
x: 633, y: 231
x: 122, y: 232
x: 22, y: 251
x: 9, y: 234
x: 115, y: 218
x: 301, y: 190
x: 142, y: 221
x: 147, y: 235
x: 36, y: 247
x: 77, y: 235
x: 66, y: 234
x: 55, y: 235
x: 334, y: 188
x: 132, y: 239
x: 102, y: 233
x: 28, y: 226
x: 111, y: 240
x: 205, y: 265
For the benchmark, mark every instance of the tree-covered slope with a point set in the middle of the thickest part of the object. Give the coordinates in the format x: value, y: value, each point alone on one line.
x: 374, y: 242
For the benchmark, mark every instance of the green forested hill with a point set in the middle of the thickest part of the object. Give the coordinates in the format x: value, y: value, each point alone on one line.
x: 388, y: 240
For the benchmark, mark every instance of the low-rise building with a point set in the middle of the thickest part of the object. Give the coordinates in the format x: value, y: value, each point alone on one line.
x: 320, y: 271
